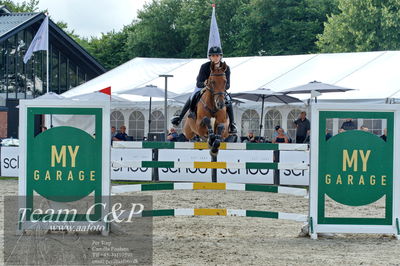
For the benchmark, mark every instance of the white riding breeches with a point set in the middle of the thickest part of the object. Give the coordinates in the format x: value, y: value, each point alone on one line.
x: 194, y: 92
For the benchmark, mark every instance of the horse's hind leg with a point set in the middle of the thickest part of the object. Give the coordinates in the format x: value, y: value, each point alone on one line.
x: 220, y: 129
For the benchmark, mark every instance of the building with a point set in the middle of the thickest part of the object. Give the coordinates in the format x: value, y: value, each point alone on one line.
x: 69, y: 65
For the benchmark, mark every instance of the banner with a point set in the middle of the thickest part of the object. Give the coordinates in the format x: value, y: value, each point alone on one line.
x: 124, y: 173
x: 10, y: 164
x: 294, y: 177
x: 184, y: 174
x: 9, y: 161
x: 260, y: 176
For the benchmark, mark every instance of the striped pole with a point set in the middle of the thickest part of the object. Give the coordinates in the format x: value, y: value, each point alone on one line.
x: 204, y: 145
x: 221, y: 212
x: 209, y: 165
x: 209, y: 186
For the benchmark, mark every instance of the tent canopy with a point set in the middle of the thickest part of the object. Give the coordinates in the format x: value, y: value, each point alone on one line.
x: 371, y: 74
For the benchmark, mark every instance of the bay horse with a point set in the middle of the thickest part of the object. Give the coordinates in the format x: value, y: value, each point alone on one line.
x: 211, y: 113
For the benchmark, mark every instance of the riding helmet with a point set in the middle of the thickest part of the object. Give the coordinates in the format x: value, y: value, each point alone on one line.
x: 215, y: 50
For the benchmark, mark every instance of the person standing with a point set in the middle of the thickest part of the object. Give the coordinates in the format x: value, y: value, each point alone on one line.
x: 302, y: 128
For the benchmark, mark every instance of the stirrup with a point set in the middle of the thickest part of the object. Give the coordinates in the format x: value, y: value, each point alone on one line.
x: 232, y: 128
x: 176, y: 120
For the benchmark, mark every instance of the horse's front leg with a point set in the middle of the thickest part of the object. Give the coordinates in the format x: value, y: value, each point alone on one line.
x: 211, y: 136
x: 217, y: 142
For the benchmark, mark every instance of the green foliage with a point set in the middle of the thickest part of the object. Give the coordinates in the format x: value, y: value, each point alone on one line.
x: 24, y: 6
x: 110, y: 49
x: 362, y: 25
x: 180, y: 29
x: 156, y: 34
x: 276, y: 27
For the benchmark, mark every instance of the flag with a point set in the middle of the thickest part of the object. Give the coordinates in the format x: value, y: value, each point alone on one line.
x: 40, y: 41
x: 213, y: 39
x: 106, y: 91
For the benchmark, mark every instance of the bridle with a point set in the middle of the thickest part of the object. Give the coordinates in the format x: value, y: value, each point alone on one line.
x: 210, y: 88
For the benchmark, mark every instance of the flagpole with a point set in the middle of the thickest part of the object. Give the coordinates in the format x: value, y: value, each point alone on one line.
x: 47, y: 59
x: 47, y: 71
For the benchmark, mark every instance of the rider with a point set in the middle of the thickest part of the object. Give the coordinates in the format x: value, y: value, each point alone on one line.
x: 215, y: 56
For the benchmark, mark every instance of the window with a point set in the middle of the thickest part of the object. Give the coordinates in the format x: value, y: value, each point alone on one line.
x: 374, y: 126
x: 54, y: 64
x: 117, y: 119
x: 157, y: 122
x: 81, y: 76
x: 11, y: 80
x: 272, y: 118
x: 250, y: 122
x: 73, y: 77
x: 136, y: 125
x: 329, y: 125
x: 291, y: 127
x: 63, y: 73
x: 341, y: 121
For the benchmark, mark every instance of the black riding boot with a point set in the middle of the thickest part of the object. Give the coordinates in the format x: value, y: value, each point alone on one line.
x: 177, y: 119
x: 232, y: 124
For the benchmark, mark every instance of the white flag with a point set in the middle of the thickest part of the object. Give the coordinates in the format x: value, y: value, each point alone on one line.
x: 213, y: 39
x: 41, y: 40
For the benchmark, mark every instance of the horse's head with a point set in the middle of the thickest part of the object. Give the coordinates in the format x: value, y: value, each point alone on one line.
x: 217, y: 84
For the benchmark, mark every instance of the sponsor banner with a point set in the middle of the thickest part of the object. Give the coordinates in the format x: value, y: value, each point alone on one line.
x: 9, y: 161
x: 184, y: 174
x: 129, y: 173
x: 294, y: 177
x: 10, y: 165
x: 260, y: 176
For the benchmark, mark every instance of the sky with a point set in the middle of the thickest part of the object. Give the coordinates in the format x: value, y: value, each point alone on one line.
x: 92, y: 17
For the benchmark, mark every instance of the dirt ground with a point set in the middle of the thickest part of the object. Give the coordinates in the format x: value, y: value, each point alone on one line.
x: 246, y: 240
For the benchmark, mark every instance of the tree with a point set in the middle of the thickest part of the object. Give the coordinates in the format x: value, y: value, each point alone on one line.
x: 194, y: 24
x: 362, y: 25
x: 155, y: 34
x: 111, y: 48
x: 24, y: 6
x: 277, y: 27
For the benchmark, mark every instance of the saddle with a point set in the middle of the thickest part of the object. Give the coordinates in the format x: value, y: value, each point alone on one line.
x: 193, y: 104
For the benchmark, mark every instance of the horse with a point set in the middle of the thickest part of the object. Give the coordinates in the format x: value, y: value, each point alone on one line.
x: 211, y: 115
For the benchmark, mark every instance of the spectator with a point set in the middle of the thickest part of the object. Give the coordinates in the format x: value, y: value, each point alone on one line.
x: 43, y: 128
x: 328, y: 135
x: 303, y: 128
x: 384, y: 134
x: 276, y: 133
x: 172, y: 135
x: 348, y: 125
x: 250, y: 137
x: 113, y: 133
x: 364, y: 128
x: 121, y: 135
x: 281, y: 137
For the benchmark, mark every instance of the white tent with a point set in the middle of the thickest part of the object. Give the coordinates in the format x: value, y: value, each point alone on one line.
x: 372, y: 74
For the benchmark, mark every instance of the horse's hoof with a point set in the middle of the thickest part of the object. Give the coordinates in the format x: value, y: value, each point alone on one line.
x: 214, y: 153
x: 216, y: 144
